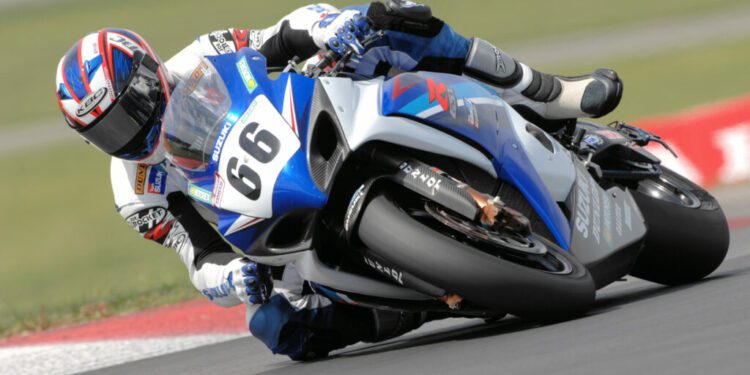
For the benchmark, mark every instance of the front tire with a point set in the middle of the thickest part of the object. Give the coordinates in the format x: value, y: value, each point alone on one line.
x: 478, y: 276
x: 688, y: 234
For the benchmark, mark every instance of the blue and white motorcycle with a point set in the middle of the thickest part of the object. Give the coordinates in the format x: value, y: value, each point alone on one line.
x: 426, y: 191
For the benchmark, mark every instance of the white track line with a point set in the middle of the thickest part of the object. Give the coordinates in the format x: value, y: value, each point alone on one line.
x: 68, y: 358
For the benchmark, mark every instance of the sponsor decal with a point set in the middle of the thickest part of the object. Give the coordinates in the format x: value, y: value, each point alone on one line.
x: 394, y: 274
x: 157, y: 180
x: 220, y: 140
x: 255, y: 39
x: 247, y: 76
x: 145, y: 220
x: 140, y: 178
x: 353, y: 205
x: 245, y: 118
x: 241, y: 37
x: 328, y: 19
x: 499, y: 63
x: 316, y: 8
x: 222, y: 41
x: 220, y: 291
x: 195, y: 77
x: 218, y: 193
x: 618, y: 219
x: 445, y: 96
x: 596, y: 213
x: 593, y: 140
x: 400, y: 87
x: 200, y: 194
x: 90, y: 102
x: 628, y: 216
x: 125, y: 42
x: 606, y: 217
x: 472, y: 114
x: 588, y: 207
x: 424, y: 176
x: 177, y: 237
x: 159, y: 232
x: 582, y: 204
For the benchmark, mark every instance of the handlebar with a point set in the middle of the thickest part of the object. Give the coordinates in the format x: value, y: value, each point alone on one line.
x: 332, y: 58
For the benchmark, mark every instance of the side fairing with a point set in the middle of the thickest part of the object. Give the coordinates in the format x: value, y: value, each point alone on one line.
x: 258, y: 169
x: 472, y: 112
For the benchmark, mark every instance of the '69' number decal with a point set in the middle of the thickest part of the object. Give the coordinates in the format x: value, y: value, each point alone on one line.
x: 255, y: 152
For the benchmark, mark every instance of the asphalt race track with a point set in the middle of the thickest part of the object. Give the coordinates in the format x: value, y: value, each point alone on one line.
x: 636, y: 328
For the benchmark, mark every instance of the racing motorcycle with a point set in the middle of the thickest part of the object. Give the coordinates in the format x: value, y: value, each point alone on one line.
x: 427, y: 192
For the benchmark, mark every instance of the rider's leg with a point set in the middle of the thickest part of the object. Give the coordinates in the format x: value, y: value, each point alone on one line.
x: 549, y: 96
x: 434, y: 46
x: 304, y: 325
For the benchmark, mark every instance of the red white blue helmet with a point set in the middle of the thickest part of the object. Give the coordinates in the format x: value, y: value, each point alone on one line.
x: 112, y: 88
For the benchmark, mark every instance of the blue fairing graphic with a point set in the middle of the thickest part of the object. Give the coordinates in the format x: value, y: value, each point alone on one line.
x: 474, y: 113
x: 294, y: 188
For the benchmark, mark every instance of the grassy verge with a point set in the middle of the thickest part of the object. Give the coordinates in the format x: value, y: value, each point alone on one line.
x: 36, y: 37
x: 670, y: 81
x: 64, y: 248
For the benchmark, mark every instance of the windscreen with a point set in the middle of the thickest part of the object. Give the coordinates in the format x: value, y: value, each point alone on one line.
x: 193, y: 117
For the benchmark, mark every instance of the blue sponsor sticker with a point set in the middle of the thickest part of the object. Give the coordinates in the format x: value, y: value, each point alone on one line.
x: 157, y: 180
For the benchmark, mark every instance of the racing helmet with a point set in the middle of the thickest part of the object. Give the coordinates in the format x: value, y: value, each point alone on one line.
x: 112, y: 89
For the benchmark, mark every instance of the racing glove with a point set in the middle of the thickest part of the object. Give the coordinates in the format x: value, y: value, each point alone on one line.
x: 252, y: 282
x: 345, y: 31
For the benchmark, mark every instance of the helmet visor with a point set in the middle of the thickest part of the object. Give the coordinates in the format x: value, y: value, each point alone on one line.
x: 124, y: 126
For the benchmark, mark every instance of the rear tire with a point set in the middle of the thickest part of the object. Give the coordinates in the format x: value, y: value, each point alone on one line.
x: 688, y: 234
x: 482, y: 278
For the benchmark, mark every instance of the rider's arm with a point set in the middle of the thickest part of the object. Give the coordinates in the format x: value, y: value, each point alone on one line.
x: 297, y: 34
x: 155, y: 208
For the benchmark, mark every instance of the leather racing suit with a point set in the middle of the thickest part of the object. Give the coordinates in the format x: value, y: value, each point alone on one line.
x: 156, y: 201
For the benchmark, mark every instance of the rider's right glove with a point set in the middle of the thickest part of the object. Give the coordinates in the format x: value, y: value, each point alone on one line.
x: 253, y: 283
x: 345, y: 31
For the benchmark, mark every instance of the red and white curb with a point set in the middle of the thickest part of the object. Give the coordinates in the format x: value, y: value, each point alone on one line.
x: 122, y: 339
x: 712, y: 142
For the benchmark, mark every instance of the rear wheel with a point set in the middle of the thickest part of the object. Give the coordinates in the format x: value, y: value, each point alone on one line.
x: 524, y: 276
x: 688, y: 235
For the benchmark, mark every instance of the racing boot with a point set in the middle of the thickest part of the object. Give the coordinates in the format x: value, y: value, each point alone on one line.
x: 542, y: 97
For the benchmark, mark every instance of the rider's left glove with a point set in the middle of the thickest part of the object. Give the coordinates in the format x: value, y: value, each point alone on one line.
x: 252, y: 282
x: 345, y: 31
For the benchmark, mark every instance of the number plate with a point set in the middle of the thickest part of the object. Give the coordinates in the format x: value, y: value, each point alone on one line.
x: 255, y: 151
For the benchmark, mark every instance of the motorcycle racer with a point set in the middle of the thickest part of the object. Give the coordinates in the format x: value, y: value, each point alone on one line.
x: 113, y: 89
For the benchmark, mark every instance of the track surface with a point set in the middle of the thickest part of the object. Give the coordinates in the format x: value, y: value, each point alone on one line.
x: 636, y: 328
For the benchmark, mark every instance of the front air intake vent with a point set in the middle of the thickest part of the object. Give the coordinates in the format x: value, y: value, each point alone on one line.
x: 327, y: 150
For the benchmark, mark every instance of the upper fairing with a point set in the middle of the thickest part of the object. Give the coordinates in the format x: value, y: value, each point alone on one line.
x: 279, y: 107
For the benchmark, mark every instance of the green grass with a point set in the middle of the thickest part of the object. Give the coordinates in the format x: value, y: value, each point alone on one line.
x: 36, y: 37
x: 671, y: 81
x: 64, y: 247
x: 67, y: 256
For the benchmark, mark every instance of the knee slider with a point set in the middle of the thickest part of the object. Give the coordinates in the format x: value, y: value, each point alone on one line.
x: 490, y: 64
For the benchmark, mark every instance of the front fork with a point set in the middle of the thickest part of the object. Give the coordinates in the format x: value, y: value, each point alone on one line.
x: 439, y: 187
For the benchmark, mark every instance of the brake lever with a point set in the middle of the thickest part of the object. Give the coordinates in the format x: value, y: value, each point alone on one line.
x: 332, y: 57
x: 640, y: 136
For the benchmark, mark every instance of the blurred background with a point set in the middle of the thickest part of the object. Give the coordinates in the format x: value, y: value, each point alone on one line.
x: 67, y: 256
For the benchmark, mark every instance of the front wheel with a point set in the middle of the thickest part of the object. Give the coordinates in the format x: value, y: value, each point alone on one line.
x: 509, y: 275
x: 688, y: 234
